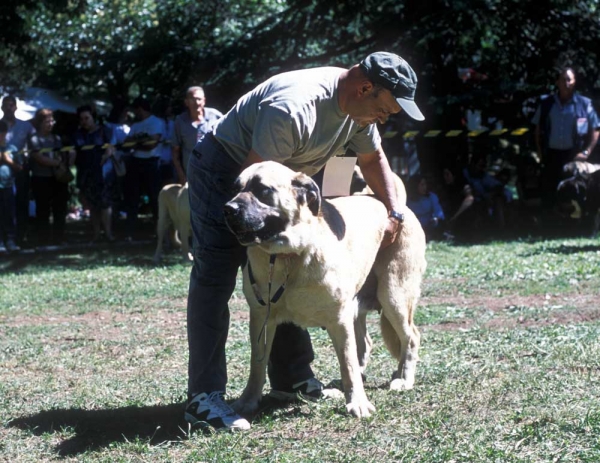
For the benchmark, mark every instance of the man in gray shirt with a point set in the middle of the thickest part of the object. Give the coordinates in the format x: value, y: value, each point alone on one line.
x: 300, y: 119
x: 190, y: 127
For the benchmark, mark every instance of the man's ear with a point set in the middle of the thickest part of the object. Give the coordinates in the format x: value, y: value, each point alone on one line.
x: 307, y: 192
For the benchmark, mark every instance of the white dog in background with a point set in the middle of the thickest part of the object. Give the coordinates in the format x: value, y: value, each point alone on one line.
x: 173, y: 217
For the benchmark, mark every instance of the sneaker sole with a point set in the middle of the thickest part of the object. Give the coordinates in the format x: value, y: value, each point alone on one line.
x: 199, y: 424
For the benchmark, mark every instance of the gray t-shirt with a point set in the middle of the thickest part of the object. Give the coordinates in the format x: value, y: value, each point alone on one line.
x: 294, y: 118
x: 186, y: 134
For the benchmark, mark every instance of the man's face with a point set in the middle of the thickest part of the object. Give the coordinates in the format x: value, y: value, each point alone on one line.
x: 195, y: 101
x: 8, y: 108
x: 86, y: 121
x: 566, y: 83
x: 373, y: 105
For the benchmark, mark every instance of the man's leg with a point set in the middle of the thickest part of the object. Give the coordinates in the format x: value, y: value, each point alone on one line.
x: 290, y: 358
x: 217, y: 258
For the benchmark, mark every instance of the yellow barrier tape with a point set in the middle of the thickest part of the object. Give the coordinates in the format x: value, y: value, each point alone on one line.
x: 432, y: 133
x: 454, y: 133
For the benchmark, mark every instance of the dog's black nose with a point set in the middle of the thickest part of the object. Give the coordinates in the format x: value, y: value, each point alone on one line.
x: 231, y: 209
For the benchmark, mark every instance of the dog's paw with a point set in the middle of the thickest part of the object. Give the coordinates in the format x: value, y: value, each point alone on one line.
x: 245, y: 407
x: 401, y: 384
x: 360, y: 408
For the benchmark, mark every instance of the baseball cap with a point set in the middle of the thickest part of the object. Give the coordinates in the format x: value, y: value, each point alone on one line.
x: 393, y: 73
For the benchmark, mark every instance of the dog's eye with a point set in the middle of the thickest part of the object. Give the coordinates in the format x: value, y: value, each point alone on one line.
x: 264, y: 194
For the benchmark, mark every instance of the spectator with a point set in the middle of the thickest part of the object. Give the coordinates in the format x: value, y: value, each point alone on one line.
x: 426, y: 206
x: 18, y: 134
x: 142, y: 169
x: 163, y: 109
x: 488, y: 192
x: 8, y: 167
x: 190, y: 127
x: 299, y: 119
x: 456, y: 199
x: 117, y: 120
x: 96, y: 177
x: 566, y: 129
x: 51, y: 196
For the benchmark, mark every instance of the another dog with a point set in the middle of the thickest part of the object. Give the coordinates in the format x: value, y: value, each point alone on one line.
x: 317, y: 263
x: 578, y: 196
x: 173, y: 215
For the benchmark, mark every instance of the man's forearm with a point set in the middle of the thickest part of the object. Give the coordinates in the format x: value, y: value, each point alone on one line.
x: 379, y: 176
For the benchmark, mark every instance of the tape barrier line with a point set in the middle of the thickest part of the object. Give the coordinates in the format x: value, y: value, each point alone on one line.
x: 118, y: 146
x: 456, y: 133
x: 391, y: 134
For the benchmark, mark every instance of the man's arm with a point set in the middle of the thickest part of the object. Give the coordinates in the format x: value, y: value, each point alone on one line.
x: 379, y: 176
x: 593, y: 139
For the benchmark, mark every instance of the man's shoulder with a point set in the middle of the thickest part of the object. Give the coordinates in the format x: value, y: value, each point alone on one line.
x: 212, y: 113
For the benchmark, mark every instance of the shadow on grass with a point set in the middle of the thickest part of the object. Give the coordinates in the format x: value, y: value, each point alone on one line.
x: 86, y: 256
x: 96, y: 429
x: 559, y: 248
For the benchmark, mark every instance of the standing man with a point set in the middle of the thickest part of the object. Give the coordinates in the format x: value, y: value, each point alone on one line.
x: 566, y: 129
x: 299, y: 119
x: 18, y: 133
x: 190, y: 127
x: 142, y: 170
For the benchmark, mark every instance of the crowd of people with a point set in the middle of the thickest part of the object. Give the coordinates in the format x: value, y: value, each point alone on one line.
x: 467, y: 201
x: 119, y: 164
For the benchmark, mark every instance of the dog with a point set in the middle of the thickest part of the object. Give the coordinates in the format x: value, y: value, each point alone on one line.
x: 174, y: 216
x: 578, y: 196
x: 326, y: 262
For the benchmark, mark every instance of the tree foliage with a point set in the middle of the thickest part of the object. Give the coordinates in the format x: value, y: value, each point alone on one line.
x: 125, y: 47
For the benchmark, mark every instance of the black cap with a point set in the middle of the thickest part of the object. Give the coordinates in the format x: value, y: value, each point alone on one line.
x: 393, y: 73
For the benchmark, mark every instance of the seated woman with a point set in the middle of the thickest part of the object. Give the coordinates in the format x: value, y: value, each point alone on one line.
x: 456, y: 198
x: 426, y: 206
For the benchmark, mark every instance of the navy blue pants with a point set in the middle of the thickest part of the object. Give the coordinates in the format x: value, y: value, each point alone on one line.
x: 217, y: 259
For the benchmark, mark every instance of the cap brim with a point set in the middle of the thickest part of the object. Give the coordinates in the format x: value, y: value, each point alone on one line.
x: 411, y: 109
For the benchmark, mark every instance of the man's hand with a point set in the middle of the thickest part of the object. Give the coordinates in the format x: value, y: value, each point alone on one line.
x: 391, y: 233
x: 580, y: 157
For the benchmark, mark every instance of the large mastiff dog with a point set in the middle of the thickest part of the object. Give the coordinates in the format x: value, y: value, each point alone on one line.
x: 317, y: 262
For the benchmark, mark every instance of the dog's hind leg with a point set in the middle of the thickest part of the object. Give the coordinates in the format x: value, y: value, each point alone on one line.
x: 364, y: 343
x: 402, y: 339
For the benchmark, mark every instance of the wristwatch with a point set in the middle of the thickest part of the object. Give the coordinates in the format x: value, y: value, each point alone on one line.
x: 397, y: 216
x: 586, y: 153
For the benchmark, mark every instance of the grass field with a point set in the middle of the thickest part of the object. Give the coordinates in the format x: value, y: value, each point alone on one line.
x: 93, y: 364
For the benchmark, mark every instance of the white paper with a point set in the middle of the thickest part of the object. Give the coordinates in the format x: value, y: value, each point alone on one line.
x: 338, y: 176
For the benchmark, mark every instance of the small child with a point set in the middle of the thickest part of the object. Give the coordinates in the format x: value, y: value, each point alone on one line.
x: 8, y: 167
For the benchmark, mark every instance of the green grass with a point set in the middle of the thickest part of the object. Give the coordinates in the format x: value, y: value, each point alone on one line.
x: 93, y: 365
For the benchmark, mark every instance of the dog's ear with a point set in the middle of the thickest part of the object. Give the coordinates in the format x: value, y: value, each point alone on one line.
x: 307, y: 192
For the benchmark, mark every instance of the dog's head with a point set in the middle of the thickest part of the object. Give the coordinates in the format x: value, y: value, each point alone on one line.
x: 571, y: 195
x: 270, y: 200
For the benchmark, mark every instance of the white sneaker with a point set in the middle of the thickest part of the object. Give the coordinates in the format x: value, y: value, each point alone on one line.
x: 211, y: 409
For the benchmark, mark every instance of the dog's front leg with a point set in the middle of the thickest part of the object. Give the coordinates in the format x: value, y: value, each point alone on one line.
x: 261, y: 341
x: 344, y: 342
